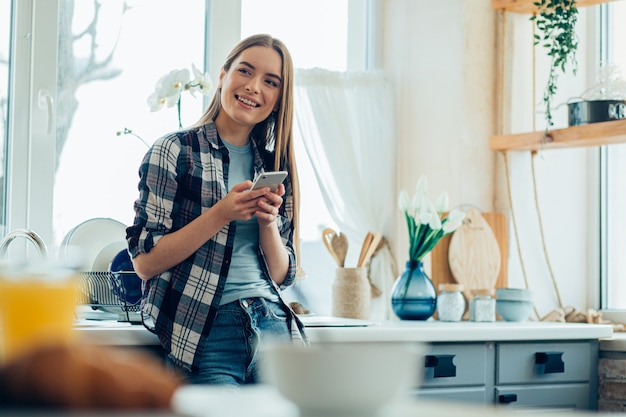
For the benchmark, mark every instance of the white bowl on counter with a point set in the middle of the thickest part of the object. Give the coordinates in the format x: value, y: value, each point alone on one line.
x: 342, y: 379
x: 514, y: 304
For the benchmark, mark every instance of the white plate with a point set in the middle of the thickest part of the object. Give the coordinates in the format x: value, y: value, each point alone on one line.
x: 102, y: 263
x: 83, y: 243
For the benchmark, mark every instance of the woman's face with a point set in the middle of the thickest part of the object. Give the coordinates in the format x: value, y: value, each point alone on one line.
x: 252, y: 86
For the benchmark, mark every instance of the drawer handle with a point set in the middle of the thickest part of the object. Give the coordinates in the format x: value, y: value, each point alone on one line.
x: 507, y: 398
x: 552, y: 361
x: 442, y: 365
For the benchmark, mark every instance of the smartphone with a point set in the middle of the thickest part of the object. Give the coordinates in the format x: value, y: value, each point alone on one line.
x: 269, y: 179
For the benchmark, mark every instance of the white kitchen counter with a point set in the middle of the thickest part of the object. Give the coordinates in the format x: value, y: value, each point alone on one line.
x: 436, y: 331
x: 114, y: 333
x: 124, y: 334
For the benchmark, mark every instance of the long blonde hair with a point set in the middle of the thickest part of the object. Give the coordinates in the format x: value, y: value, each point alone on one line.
x: 276, y: 132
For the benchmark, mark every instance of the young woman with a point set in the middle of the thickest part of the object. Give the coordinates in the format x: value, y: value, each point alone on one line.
x: 213, y: 253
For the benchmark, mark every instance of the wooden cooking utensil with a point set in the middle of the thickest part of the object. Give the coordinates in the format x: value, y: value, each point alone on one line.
x: 474, y: 254
x: 366, y: 244
x: 339, y: 243
x: 328, y: 235
x: 372, y: 248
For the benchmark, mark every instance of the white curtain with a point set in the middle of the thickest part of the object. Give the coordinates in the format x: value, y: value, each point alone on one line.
x: 346, y: 120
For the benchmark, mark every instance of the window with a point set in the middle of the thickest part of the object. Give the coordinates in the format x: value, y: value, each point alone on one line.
x: 108, y: 68
x: 614, y: 176
x: 92, y: 71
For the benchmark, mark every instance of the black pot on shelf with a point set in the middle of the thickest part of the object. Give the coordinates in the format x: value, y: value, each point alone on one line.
x: 595, y: 111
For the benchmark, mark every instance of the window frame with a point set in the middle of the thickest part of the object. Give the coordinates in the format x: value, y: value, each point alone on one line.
x: 31, y: 138
x: 604, y: 181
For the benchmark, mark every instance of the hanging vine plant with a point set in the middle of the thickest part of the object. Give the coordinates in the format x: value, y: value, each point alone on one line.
x: 556, y: 23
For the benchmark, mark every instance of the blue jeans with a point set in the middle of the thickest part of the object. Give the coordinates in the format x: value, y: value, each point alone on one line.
x: 231, y: 350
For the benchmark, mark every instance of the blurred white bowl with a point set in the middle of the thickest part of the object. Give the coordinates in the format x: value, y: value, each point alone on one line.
x: 514, y: 310
x: 342, y: 379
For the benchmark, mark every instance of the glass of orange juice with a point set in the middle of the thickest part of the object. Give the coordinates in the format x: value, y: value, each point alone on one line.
x: 36, y: 308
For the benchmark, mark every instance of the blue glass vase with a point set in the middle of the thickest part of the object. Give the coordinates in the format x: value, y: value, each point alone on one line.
x: 413, y: 296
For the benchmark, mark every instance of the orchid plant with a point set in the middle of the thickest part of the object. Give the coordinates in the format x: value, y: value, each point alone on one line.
x: 426, y: 221
x: 169, y: 88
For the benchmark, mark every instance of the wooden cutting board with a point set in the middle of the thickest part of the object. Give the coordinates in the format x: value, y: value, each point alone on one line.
x: 473, y: 254
x: 440, y: 267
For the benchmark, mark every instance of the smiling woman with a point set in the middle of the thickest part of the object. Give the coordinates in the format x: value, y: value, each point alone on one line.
x: 72, y: 166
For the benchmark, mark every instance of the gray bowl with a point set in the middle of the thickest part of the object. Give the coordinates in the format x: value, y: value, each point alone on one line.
x: 514, y: 294
x: 514, y: 310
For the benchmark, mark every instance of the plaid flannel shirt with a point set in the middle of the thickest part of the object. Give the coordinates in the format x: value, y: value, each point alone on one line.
x: 182, y: 175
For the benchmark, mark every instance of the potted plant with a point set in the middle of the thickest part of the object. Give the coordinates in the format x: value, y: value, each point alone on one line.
x: 556, y: 22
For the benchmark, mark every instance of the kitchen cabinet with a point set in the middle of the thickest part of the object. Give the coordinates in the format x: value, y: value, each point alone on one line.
x: 513, y: 364
x: 530, y: 374
x: 595, y: 134
x: 478, y: 363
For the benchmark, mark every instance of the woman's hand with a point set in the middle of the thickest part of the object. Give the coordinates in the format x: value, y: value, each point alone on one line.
x: 241, y: 203
x: 268, y: 205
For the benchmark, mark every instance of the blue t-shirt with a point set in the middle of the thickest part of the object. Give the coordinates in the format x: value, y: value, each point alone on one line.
x: 245, y: 277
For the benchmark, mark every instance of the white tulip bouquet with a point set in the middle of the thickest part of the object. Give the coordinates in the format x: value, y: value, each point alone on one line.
x: 426, y: 221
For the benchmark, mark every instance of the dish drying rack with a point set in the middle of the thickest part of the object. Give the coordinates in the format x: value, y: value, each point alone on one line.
x: 105, y: 291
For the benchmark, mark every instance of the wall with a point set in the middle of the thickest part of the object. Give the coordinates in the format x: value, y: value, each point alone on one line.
x: 445, y: 59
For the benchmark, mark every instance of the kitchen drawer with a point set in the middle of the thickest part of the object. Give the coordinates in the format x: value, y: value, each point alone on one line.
x: 474, y: 395
x: 561, y: 396
x: 521, y: 363
x: 455, y: 365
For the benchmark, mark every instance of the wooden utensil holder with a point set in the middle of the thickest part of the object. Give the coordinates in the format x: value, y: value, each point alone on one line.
x: 351, y: 293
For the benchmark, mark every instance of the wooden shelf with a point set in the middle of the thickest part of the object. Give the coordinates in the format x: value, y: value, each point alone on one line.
x: 527, y: 6
x: 594, y: 134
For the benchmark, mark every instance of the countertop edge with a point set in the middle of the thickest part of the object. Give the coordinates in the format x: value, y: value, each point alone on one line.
x: 400, y: 331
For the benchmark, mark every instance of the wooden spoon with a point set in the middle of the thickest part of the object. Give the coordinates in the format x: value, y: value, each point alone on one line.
x: 328, y: 236
x: 339, y: 244
x: 366, y: 244
x: 372, y: 248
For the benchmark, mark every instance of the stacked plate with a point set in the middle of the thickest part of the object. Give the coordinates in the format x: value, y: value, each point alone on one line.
x: 94, y: 243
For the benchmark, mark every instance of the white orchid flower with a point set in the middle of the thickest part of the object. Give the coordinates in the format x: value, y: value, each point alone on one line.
x: 453, y: 221
x: 201, y: 82
x: 443, y: 202
x: 171, y: 85
x: 155, y: 102
x: 403, y: 201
